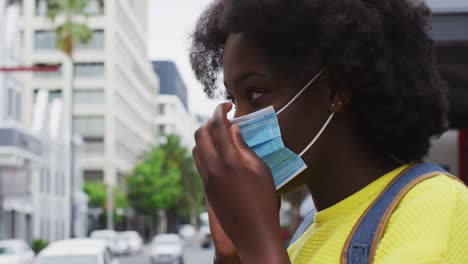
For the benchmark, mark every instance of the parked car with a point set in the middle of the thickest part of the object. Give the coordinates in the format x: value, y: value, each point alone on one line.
x: 108, y: 235
x: 187, y: 231
x: 167, y: 248
x: 204, y: 232
x: 15, y: 252
x: 122, y: 245
x: 77, y: 251
x: 135, y: 242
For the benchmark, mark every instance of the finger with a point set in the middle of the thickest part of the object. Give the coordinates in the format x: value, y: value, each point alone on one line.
x: 238, y: 139
x: 204, y: 152
x: 220, y: 129
x: 205, y: 148
x: 198, y: 163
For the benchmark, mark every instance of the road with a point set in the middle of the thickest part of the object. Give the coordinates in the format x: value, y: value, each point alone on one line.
x: 192, y: 255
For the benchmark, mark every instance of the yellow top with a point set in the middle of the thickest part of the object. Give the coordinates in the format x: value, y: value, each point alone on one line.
x: 430, y: 225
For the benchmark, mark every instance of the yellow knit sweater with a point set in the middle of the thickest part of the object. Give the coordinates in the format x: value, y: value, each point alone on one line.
x: 430, y: 225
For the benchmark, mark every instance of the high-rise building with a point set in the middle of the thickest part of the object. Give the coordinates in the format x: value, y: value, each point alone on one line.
x: 173, y: 113
x: 171, y: 81
x: 113, y: 91
x: 34, y: 154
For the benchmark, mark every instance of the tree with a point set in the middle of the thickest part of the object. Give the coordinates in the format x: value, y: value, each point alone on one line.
x: 166, y: 181
x: 68, y: 33
x: 192, y: 201
x: 97, y: 193
x: 154, y: 184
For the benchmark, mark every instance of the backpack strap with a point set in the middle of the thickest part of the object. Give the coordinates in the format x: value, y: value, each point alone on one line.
x: 361, y: 245
x: 306, y: 223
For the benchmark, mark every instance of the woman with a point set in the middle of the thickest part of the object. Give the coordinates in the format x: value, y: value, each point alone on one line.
x: 355, y: 89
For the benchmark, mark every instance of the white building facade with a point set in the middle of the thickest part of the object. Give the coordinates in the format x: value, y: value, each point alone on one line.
x: 173, y: 118
x: 173, y: 113
x: 34, y: 155
x: 113, y: 89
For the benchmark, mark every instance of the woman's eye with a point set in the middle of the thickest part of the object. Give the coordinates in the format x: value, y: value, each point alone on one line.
x: 255, y: 95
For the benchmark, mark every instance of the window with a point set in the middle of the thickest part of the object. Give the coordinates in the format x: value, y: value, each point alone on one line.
x: 121, y: 180
x: 95, y: 7
x: 47, y: 181
x: 18, y: 3
x: 93, y: 145
x: 89, y: 126
x: 18, y: 107
x: 161, y: 109
x: 41, y: 7
x: 53, y: 94
x: 161, y: 130
x: 88, y: 96
x: 44, y: 40
x: 41, y: 179
x: 93, y: 175
x: 96, y: 42
x: 10, y: 102
x: 89, y: 70
x: 57, y: 183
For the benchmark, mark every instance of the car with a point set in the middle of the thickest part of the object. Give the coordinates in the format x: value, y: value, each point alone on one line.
x: 167, y: 248
x: 122, y: 245
x: 135, y: 242
x: 204, y: 232
x: 15, y: 252
x: 187, y: 231
x: 77, y: 251
x: 108, y: 235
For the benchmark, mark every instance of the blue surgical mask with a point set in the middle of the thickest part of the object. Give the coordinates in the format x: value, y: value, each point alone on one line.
x: 261, y: 132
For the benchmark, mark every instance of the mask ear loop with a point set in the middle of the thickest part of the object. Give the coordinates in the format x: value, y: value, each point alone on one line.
x: 300, y: 92
x: 318, y: 134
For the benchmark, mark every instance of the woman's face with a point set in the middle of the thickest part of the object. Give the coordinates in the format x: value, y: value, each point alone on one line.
x: 252, y: 85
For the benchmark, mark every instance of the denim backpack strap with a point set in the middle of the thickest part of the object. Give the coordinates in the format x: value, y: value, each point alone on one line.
x: 306, y: 223
x: 361, y: 245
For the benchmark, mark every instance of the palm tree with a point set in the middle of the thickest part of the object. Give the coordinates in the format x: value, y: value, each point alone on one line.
x: 70, y: 32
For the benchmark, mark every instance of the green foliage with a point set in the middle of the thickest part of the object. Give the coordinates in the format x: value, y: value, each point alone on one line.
x: 70, y: 31
x: 120, y: 199
x: 154, y: 184
x: 192, y: 188
x: 97, y: 193
x: 38, y: 245
x: 166, y: 179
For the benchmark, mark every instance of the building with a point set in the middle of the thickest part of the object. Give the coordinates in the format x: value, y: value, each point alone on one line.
x: 173, y: 113
x: 34, y: 156
x: 450, y: 32
x: 171, y: 81
x: 112, y: 95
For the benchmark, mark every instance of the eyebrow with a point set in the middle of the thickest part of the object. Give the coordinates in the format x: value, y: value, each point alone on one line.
x: 245, y: 77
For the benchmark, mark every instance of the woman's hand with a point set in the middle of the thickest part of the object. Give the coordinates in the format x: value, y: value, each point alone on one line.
x: 240, y: 190
x: 225, y: 251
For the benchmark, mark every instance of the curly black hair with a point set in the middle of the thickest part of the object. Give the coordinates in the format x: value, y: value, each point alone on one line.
x: 380, y: 49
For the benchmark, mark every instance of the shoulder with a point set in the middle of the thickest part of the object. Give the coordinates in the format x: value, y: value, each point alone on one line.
x: 432, y: 215
x: 438, y: 190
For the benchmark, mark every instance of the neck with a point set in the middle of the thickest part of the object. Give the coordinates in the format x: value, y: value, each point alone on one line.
x: 344, y: 168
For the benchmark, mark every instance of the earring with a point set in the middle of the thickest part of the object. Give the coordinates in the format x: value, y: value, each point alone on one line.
x: 339, y: 103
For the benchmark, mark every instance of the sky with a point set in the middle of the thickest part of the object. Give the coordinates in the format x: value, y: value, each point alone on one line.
x: 170, y: 23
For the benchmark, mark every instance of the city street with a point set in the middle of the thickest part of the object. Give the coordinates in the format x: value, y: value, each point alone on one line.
x: 193, y: 255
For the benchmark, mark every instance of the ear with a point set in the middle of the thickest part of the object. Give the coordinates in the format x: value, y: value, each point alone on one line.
x: 339, y: 94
